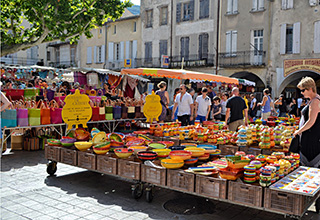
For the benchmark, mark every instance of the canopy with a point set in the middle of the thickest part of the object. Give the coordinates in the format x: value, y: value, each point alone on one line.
x: 246, y: 82
x: 180, y: 74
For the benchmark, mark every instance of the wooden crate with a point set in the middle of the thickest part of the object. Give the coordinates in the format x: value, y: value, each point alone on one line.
x: 211, y: 187
x: 228, y: 149
x: 87, y: 160
x: 68, y: 156
x: 251, y: 150
x: 245, y: 194
x: 287, y: 203
x: 107, y: 164
x: 154, y: 175
x: 180, y: 180
x: 128, y: 168
x: 52, y: 153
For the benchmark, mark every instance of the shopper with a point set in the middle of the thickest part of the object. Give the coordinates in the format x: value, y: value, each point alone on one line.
x: 164, y: 100
x: 202, y: 106
x: 234, y: 114
x: 176, y: 92
x: 281, y: 102
x: 293, y: 107
x: 216, y: 108
x: 253, y: 106
x: 184, y: 102
x: 223, y: 103
x: 266, y: 104
x: 106, y: 90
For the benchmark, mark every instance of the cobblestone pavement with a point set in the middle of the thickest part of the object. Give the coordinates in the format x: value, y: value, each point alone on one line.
x: 27, y: 192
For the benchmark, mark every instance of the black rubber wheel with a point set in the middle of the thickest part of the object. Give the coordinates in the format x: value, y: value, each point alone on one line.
x: 149, y: 195
x: 51, y: 168
x: 137, y: 191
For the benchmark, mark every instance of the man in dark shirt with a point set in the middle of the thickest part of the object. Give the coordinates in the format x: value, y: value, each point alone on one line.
x: 235, y: 107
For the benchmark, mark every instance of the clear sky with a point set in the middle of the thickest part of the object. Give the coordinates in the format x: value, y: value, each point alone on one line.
x: 136, y: 2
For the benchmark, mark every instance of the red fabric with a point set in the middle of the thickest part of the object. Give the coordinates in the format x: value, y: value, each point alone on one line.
x: 114, y: 81
x: 129, y: 92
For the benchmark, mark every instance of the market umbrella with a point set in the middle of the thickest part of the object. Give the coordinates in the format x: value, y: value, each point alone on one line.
x: 180, y: 74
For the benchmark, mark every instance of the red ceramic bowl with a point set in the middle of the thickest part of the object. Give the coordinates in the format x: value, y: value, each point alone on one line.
x: 180, y: 154
x: 147, y: 155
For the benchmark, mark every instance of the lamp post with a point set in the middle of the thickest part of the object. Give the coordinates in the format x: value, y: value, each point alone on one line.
x: 218, y: 35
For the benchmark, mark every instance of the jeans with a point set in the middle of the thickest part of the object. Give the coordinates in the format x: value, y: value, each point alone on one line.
x: 184, y: 119
x: 201, y: 118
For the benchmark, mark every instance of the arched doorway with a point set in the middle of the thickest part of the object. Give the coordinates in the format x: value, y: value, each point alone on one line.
x: 289, y: 86
x: 252, y: 77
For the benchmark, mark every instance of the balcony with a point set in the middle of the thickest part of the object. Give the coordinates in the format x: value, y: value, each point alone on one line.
x: 63, y: 64
x: 242, y: 59
x: 12, y: 60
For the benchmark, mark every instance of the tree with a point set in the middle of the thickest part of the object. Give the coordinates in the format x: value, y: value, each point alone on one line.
x: 52, y: 20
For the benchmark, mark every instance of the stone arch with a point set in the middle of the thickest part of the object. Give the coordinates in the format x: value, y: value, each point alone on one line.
x: 260, y: 85
x: 293, y: 79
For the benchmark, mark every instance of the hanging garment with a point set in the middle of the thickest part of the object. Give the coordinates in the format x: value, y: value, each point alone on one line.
x: 114, y: 81
x: 129, y: 92
x: 132, y: 82
x: 92, y: 79
x: 80, y: 77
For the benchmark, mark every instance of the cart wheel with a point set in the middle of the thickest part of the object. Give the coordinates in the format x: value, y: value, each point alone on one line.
x: 51, y: 168
x: 137, y: 191
x: 149, y: 194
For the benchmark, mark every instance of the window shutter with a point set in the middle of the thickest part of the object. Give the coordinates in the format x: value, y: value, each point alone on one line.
x: 234, y: 41
x: 200, y: 46
x: 110, y: 51
x: 182, y: 47
x: 201, y: 13
x: 121, y: 57
x: 228, y: 42
x: 103, y: 53
x: 235, y: 6
x: 261, y: 4
x: 187, y: 48
x: 206, y: 9
x: 284, y: 4
x: 134, y: 49
x: 229, y: 8
x: 191, y: 10
x: 317, y: 37
x: 254, y: 5
x: 283, y: 30
x: 178, y: 15
x: 95, y: 54
x: 89, y: 55
x: 163, y: 47
x: 127, y: 50
x: 290, y: 3
x: 151, y: 18
x: 296, y: 37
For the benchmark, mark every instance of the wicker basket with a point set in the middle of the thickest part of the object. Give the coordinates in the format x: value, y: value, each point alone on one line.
x: 180, y: 180
x: 87, y: 160
x: 128, y: 168
x: 68, y: 156
x: 107, y: 164
x: 154, y: 175
x: 211, y: 187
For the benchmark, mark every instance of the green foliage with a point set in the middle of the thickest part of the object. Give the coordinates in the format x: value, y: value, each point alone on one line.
x: 26, y: 23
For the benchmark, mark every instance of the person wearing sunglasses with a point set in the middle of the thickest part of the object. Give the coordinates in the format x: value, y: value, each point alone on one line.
x: 185, y: 103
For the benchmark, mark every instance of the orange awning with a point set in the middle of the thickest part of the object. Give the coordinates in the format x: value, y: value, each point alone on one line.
x: 180, y: 74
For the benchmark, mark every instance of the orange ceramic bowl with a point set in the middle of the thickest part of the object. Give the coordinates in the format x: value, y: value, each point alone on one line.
x: 180, y: 154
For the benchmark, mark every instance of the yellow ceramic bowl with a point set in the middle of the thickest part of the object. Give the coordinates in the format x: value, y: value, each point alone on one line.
x: 82, y: 145
x: 172, y: 164
x: 162, y: 152
x: 196, y: 152
x: 102, y: 148
x: 188, y: 145
x: 123, y: 153
x: 137, y: 149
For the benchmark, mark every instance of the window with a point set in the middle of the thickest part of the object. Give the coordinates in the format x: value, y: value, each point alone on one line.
x: 257, y: 5
x: 231, y: 42
x: 163, y: 48
x: 164, y: 15
x: 184, y: 52
x: 117, y: 51
x: 258, y: 41
x: 316, y: 37
x: 232, y: 7
x: 148, y: 51
x: 149, y: 18
x: 99, y: 54
x: 286, y: 4
x: 203, y: 46
x: 48, y: 55
x: 204, y: 9
x: 185, y: 11
x: 114, y: 29
x: 289, y: 39
x: 100, y: 30
x: 89, y: 55
x: 73, y: 55
x: 134, y: 26
x: 58, y: 54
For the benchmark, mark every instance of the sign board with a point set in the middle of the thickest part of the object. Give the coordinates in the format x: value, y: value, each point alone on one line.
x: 127, y: 63
x: 152, y: 108
x: 165, y: 61
x: 291, y: 66
x: 77, y: 110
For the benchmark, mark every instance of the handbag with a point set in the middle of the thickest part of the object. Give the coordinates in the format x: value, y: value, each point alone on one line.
x: 295, y: 144
x: 95, y: 112
x: 9, y: 117
x: 117, y: 112
x: 50, y: 94
x: 102, y: 113
x: 45, y: 113
x: 22, y: 114
x: 31, y: 93
x: 14, y: 94
x: 55, y: 112
x: 34, y: 114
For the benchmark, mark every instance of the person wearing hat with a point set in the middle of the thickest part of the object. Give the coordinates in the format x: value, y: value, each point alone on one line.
x: 164, y: 99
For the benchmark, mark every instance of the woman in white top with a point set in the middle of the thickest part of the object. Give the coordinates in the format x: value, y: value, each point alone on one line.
x: 223, y: 104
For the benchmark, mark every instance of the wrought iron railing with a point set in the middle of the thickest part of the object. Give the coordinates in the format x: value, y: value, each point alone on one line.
x: 63, y: 64
x: 242, y: 58
x: 9, y: 60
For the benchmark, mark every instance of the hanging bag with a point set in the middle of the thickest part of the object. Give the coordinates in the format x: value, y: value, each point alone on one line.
x: 55, y: 113
x: 102, y: 111
x: 45, y: 113
x: 31, y: 93
x: 108, y: 110
x: 60, y: 96
x: 34, y: 114
x: 22, y: 114
x: 95, y: 111
x: 15, y: 94
x: 9, y: 117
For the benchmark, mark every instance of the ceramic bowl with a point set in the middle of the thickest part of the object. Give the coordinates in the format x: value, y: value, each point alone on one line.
x: 180, y: 155
x: 67, y: 142
x: 196, y: 152
x: 102, y: 148
x: 172, y: 164
x: 137, y: 149
x: 188, y: 145
x: 146, y: 155
x: 191, y: 161
x: 167, y: 143
x: 162, y: 153
x: 208, y: 148
x: 54, y: 142
x: 156, y: 145
x: 123, y: 153
x: 82, y: 145
x: 177, y: 148
x: 206, y: 156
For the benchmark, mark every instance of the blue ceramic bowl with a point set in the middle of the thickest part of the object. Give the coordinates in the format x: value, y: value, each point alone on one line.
x: 177, y: 148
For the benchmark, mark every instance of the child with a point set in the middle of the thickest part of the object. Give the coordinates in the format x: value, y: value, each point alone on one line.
x: 216, y: 108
